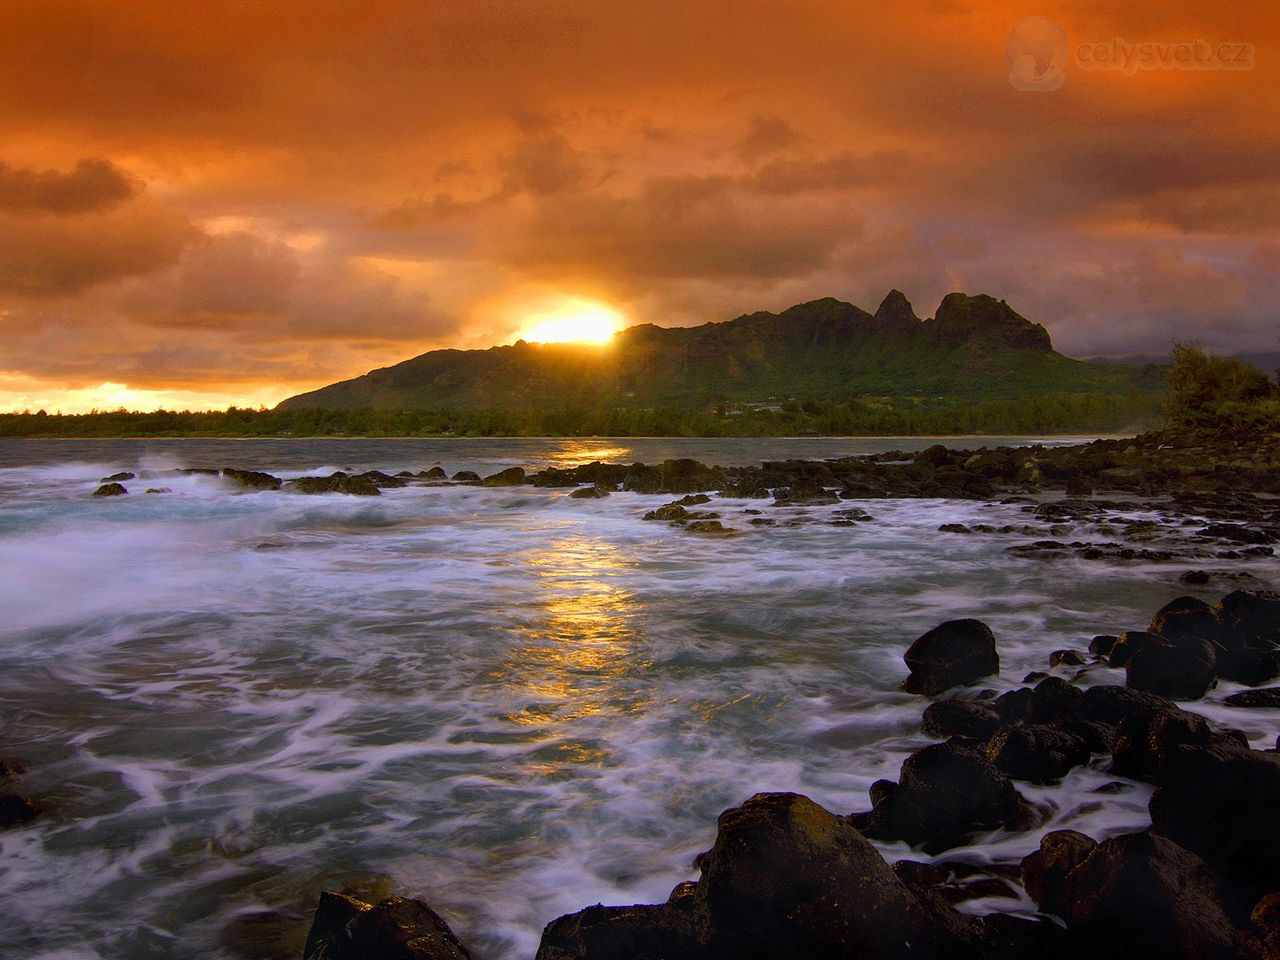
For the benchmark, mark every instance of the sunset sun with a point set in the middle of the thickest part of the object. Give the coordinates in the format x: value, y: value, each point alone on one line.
x: 572, y: 321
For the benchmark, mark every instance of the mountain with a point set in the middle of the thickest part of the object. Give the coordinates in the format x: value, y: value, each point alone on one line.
x: 975, y: 347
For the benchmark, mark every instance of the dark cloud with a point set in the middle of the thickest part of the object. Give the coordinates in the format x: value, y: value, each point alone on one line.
x: 767, y: 136
x: 92, y: 185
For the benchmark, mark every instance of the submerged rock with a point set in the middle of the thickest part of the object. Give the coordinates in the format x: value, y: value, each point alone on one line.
x: 253, y: 479
x: 395, y: 929
x: 953, y: 653
x: 589, y: 493
x: 119, y: 477
x: 110, y: 490
x: 337, y: 483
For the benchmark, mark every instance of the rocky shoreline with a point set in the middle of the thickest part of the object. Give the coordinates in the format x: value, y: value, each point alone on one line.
x: 787, y: 878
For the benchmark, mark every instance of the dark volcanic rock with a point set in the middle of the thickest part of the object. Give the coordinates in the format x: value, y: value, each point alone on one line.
x: 785, y: 878
x: 1270, y: 697
x: 961, y: 718
x: 1223, y: 802
x: 1180, y: 669
x: 1044, y: 871
x: 15, y: 810
x: 952, y: 653
x: 1141, y: 895
x: 1036, y: 752
x: 1145, y: 741
x: 253, y: 479
x: 110, y: 490
x: 511, y: 477
x: 946, y: 793
x: 337, y: 483
x: 395, y: 929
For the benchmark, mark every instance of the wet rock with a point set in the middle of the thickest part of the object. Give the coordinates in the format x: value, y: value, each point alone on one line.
x: 336, y: 483
x: 383, y: 480
x: 675, y: 930
x: 252, y: 479
x: 960, y: 718
x: 1251, y: 614
x: 1194, y: 578
x: 787, y: 878
x: 395, y: 929
x: 119, y: 477
x: 807, y: 493
x: 1235, y: 533
x: 1185, y: 617
x: 953, y: 653
x: 1222, y: 801
x: 511, y: 477
x: 158, y: 490
x: 466, y: 476
x: 1268, y: 698
x: 589, y: 493
x: 1180, y: 669
x: 1036, y: 752
x: 671, y: 512
x: 694, y: 500
x: 110, y: 490
x: 709, y: 528
x: 946, y: 793
x: 1110, y: 704
x: 1102, y: 645
x: 1129, y: 643
x: 1066, y: 658
x: 1142, y: 895
x: 435, y: 473
x: 1146, y: 740
x: 1044, y: 871
x: 11, y: 767
x: 1265, y: 917
x: 16, y: 810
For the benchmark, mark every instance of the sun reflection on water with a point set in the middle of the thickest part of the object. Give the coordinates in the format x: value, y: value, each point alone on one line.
x: 578, y: 643
x: 571, y: 453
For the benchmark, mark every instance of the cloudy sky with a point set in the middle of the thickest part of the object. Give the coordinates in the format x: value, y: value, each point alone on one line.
x: 234, y: 202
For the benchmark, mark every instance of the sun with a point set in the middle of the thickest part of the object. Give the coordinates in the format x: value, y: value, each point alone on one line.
x: 572, y: 320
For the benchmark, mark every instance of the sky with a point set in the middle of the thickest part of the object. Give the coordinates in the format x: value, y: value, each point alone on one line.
x: 204, y: 204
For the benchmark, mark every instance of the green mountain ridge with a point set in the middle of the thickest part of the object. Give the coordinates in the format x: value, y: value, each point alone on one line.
x: 974, y: 348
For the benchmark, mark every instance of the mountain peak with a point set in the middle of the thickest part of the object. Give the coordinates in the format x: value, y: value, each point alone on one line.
x: 982, y: 317
x: 896, y: 309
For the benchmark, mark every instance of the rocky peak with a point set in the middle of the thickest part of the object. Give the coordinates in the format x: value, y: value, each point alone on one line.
x: 961, y: 317
x: 895, y: 310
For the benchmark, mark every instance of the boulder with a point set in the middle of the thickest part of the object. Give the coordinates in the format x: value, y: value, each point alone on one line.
x: 1036, y: 752
x: 511, y: 477
x: 1129, y: 643
x: 252, y: 479
x: 961, y: 718
x: 110, y: 490
x: 121, y: 477
x: 395, y: 929
x: 786, y: 878
x: 1181, y: 668
x: 466, y: 476
x: 1142, y: 895
x: 16, y: 810
x: 1251, y: 613
x: 953, y: 653
x: 1044, y: 871
x: 1146, y: 740
x: 589, y: 493
x: 435, y: 473
x: 1268, y: 698
x: 1222, y: 801
x: 946, y: 793
x: 1186, y: 617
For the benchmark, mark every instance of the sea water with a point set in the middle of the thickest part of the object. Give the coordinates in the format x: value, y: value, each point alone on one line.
x: 507, y: 702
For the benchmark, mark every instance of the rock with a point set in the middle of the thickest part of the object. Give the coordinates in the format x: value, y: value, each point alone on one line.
x: 1102, y: 645
x: 466, y: 476
x: 960, y: 718
x: 786, y: 878
x: 589, y: 493
x: 1036, y: 752
x: 253, y: 479
x: 671, y: 512
x: 1142, y: 895
x: 1129, y: 643
x: 435, y: 473
x: 1110, y: 705
x: 16, y: 810
x: 1180, y: 669
x: 395, y: 929
x: 119, y: 477
x: 1251, y: 614
x: 946, y: 793
x: 1146, y: 740
x: 1044, y: 871
x: 158, y: 490
x: 676, y: 930
x: 1222, y: 801
x: 1235, y: 533
x: 511, y: 477
x: 709, y: 528
x: 337, y: 483
x: 1194, y: 578
x: 1266, y: 922
x: 1268, y: 698
x: 1185, y: 617
x: 1066, y: 658
x: 693, y: 500
x: 953, y: 653
x: 11, y: 767
x: 110, y: 490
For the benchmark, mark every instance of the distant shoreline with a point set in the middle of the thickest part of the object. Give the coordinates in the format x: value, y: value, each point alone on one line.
x: 1082, y: 437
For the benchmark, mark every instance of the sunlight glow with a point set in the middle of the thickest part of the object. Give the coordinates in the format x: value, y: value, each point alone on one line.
x: 572, y: 320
